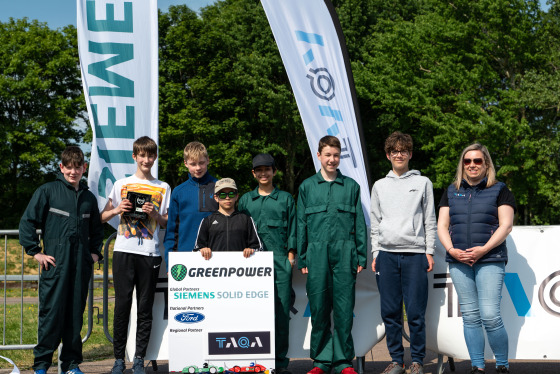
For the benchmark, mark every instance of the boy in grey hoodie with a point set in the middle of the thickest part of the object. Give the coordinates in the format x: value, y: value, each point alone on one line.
x: 403, y: 234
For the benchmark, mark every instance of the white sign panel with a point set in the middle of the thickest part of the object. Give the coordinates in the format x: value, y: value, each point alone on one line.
x: 530, y: 299
x: 311, y: 47
x: 221, y: 311
x: 118, y: 48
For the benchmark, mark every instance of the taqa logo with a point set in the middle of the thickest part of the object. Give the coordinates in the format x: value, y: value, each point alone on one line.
x: 192, y: 317
x: 242, y: 343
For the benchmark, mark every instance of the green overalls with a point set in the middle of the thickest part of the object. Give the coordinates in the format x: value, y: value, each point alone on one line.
x: 332, y: 242
x: 72, y: 231
x: 275, y: 217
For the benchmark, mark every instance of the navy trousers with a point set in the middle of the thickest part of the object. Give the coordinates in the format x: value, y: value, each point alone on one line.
x: 403, y: 276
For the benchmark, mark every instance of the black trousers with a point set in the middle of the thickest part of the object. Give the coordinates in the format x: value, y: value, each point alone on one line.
x: 129, y: 271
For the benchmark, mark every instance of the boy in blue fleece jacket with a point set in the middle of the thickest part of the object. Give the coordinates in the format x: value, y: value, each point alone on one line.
x: 191, y: 201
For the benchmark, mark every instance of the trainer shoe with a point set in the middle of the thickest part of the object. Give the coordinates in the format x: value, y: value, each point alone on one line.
x: 118, y: 367
x: 40, y: 371
x: 475, y: 370
x: 502, y: 369
x: 76, y: 370
x: 416, y: 368
x: 138, y: 365
x: 395, y: 368
x: 348, y: 370
x: 316, y: 370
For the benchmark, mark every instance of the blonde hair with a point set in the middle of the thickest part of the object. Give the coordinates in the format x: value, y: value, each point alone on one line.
x: 490, y: 170
x: 194, y: 151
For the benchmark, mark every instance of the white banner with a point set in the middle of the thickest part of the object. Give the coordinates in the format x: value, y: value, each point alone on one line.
x: 530, y: 299
x: 118, y: 48
x: 311, y: 45
x: 221, y: 312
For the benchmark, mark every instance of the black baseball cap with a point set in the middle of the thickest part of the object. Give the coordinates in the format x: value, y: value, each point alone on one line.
x: 263, y: 159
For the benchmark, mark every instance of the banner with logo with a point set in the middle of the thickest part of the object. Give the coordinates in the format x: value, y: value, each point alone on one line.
x: 530, y: 299
x: 221, y: 312
x: 314, y: 53
x: 118, y: 48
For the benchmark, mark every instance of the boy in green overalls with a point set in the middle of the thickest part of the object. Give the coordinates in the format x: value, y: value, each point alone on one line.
x: 274, y: 214
x: 332, y: 242
x: 67, y: 214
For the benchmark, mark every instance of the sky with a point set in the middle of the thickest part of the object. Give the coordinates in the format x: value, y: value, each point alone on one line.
x: 59, y: 13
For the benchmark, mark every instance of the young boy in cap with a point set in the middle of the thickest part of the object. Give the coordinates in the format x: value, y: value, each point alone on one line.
x: 332, y: 242
x: 141, y: 202
x: 403, y: 240
x: 191, y: 201
x: 227, y: 229
x: 67, y: 214
x: 275, y: 215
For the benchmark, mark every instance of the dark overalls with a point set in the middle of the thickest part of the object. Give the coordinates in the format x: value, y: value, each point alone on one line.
x: 275, y: 217
x: 72, y: 232
x: 332, y: 241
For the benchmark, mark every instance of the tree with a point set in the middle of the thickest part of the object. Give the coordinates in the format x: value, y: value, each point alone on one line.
x: 40, y: 100
x: 453, y: 74
x: 230, y: 91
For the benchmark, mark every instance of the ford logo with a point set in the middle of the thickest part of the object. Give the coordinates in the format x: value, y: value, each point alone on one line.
x: 192, y: 317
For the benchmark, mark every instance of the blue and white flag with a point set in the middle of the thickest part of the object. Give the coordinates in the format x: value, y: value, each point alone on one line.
x: 118, y: 48
x: 312, y: 47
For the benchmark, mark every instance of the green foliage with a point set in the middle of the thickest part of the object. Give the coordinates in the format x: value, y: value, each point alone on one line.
x: 461, y: 72
x: 223, y: 83
x: 40, y: 98
x: 448, y: 73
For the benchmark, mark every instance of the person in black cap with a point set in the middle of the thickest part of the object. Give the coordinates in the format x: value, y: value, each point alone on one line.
x: 274, y: 213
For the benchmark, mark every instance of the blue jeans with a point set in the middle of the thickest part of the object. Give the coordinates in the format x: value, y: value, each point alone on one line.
x: 403, y: 276
x: 479, y: 289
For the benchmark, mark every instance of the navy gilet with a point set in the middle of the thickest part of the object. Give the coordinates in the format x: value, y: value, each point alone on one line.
x: 473, y: 213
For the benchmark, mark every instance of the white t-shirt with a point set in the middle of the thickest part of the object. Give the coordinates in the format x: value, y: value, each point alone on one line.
x: 137, y: 235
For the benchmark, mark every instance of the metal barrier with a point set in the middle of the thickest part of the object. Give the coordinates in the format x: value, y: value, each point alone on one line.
x: 5, y: 277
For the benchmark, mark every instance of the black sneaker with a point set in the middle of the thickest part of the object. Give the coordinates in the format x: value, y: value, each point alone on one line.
x: 138, y: 365
x: 118, y: 366
x: 502, y: 369
x: 475, y: 370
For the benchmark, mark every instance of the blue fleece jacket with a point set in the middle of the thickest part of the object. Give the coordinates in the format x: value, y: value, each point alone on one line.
x: 190, y: 202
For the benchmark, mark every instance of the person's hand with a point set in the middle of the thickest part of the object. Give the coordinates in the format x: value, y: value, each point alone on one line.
x: 304, y: 271
x: 360, y: 268
x: 373, y: 265
x: 94, y: 257
x: 44, y: 260
x: 150, y: 210
x: 475, y: 254
x: 460, y: 255
x: 431, y: 262
x: 292, y: 258
x: 206, y: 253
x: 124, y: 206
x: 247, y: 252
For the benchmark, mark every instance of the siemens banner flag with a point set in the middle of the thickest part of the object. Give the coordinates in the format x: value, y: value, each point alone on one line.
x: 117, y: 43
x: 312, y: 47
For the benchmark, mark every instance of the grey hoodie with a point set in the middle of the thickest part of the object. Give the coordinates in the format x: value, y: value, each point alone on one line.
x: 403, y: 217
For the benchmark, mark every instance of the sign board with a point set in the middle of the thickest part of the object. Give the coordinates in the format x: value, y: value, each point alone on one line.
x: 221, y: 311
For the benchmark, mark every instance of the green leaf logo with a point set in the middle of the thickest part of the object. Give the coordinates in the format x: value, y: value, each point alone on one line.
x: 178, y: 272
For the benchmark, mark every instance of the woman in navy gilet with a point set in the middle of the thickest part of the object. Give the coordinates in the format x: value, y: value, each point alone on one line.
x: 475, y: 217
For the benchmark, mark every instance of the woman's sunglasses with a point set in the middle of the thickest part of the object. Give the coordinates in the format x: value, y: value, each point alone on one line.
x: 477, y: 161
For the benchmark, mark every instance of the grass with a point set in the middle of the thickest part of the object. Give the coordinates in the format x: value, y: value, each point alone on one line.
x: 97, y: 347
